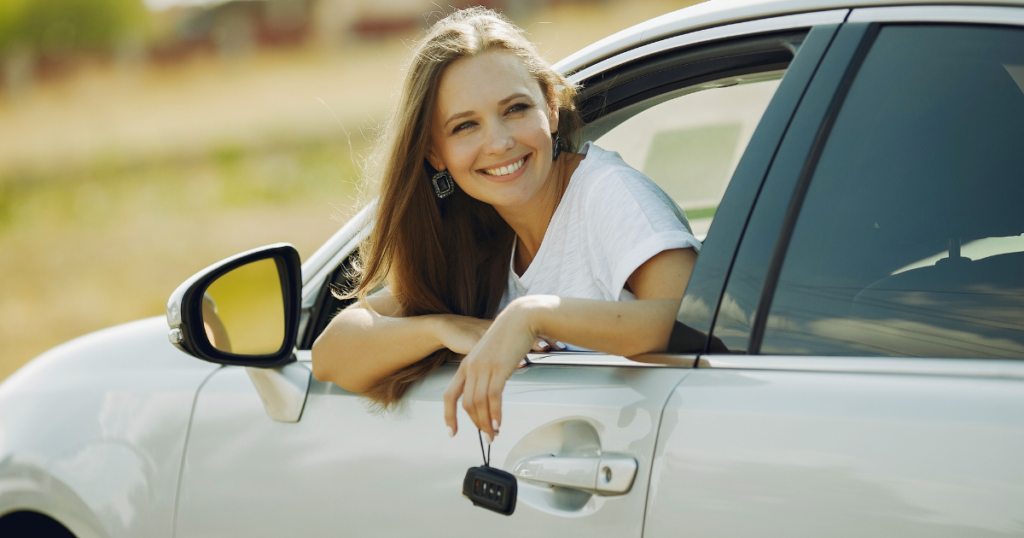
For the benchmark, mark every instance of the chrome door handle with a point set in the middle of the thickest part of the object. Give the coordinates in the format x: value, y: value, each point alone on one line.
x: 609, y: 474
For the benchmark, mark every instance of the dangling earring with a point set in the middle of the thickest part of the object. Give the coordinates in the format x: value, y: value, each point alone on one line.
x: 556, y: 146
x: 443, y: 183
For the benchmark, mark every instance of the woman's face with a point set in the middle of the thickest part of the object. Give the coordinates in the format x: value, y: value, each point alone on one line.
x: 492, y: 129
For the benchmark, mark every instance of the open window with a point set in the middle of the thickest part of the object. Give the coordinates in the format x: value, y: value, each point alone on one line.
x: 689, y: 141
x: 683, y: 118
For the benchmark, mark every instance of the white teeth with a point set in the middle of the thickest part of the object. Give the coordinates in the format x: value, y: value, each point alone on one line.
x: 505, y: 170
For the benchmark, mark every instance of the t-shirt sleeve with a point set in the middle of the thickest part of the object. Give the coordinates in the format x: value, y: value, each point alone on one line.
x: 629, y: 220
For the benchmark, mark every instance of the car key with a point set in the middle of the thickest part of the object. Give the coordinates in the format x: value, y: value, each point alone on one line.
x: 490, y: 488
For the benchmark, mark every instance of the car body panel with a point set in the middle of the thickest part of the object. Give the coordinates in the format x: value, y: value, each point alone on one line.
x: 844, y: 446
x: 92, y: 431
x: 344, y: 468
x: 776, y: 453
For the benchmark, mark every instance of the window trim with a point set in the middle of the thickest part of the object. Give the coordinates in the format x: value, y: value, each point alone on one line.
x: 710, y: 278
x: 865, y: 42
x: 986, y: 368
x: 992, y: 15
x: 719, y: 33
x: 780, y: 172
x: 319, y: 268
x: 622, y: 87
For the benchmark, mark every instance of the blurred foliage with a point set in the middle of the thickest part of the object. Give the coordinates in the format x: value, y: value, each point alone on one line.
x: 90, y: 248
x: 118, y: 184
x: 230, y: 177
x: 54, y: 27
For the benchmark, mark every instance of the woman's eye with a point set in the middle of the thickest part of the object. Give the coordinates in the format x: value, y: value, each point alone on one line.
x: 518, y: 107
x: 462, y: 126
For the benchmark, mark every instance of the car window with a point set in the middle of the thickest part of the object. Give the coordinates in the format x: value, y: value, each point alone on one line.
x: 909, y: 240
x: 690, y: 141
x: 687, y: 140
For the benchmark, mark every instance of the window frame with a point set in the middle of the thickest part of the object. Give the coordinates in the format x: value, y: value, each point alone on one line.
x: 623, y: 84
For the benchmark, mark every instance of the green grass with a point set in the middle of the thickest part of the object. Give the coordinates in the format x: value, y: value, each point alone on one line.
x: 106, y: 245
x: 701, y: 213
x: 692, y: 163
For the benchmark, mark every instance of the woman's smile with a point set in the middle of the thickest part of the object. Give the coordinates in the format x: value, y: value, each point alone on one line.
x: 509, y: 171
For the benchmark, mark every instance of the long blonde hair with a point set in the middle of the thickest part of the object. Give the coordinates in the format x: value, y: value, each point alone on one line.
x: 450, y: 255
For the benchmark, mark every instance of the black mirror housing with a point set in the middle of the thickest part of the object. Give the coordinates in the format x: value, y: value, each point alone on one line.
x: 185, y: 308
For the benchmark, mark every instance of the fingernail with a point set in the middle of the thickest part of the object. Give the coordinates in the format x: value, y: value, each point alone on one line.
x: 451, y: 432
x: 542, y: 345
x: 488, y: 438
x: 559, y: 345
x: 494, y: 425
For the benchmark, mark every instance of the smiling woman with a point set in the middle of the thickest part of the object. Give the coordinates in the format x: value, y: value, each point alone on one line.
x: 538, y: 242
x: 491, y: 118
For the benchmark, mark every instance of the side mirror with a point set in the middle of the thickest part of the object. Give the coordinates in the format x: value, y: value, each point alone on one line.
x: 242, y: 311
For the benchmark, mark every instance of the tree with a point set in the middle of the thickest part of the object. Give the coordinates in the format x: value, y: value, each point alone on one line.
x: 57, y: 27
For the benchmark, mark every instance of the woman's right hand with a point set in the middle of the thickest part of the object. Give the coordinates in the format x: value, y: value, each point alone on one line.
x: 461, y: 334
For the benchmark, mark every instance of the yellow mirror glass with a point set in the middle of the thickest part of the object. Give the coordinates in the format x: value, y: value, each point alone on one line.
x: 243, y: 310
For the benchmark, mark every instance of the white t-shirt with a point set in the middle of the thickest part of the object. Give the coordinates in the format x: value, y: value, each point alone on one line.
x: 611, y: 220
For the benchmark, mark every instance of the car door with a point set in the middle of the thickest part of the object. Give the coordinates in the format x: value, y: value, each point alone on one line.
x: 874, y: 309
x: 345, y: 469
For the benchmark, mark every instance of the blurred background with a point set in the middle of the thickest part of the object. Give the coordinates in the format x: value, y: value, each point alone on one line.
x: 142, y: 140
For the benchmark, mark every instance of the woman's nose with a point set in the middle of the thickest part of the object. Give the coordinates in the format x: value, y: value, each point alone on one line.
x: 499, y: 138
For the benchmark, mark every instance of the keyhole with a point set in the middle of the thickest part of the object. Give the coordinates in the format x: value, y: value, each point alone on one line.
x: 606, y: 474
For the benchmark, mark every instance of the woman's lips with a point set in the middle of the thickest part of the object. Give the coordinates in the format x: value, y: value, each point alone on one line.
x: 507, y: 172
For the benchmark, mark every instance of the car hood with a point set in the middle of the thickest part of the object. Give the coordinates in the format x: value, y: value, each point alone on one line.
x: 134, y: 352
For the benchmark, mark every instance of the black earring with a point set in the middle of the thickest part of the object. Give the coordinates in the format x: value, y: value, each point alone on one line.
x: 443, y: 183
x: 556, y: 146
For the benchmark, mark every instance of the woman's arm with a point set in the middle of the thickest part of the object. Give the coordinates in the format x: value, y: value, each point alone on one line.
x: 619, y: 328
x: 360, y: 346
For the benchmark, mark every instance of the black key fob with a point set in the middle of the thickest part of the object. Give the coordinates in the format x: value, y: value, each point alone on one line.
x: 491, y: 488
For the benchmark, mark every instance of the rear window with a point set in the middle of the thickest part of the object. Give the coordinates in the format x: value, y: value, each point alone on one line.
x: 909, y: 241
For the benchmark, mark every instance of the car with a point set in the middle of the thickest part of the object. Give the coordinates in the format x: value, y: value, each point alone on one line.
x: 846, y: 360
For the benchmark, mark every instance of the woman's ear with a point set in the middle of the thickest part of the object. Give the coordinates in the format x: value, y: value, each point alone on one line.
x: 434, y: 159
x: 553, y: 114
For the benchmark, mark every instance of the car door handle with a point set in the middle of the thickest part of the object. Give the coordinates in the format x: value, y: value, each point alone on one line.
x: 610, y: 474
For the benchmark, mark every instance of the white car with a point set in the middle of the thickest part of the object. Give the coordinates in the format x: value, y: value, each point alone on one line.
x: 857, y: 169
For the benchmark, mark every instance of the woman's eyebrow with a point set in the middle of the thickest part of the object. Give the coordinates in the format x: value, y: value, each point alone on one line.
x: 458, y: 116
x: 504, y: 101
x: 512, y: 97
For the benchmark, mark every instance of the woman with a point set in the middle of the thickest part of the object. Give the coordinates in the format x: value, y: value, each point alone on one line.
x: 494, y: 236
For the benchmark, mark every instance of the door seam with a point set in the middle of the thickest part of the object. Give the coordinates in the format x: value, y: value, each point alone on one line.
x: 657, y: 436
x: 184, y: 451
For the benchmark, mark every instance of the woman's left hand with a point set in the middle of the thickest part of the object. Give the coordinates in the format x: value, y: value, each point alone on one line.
x: 481, y: 376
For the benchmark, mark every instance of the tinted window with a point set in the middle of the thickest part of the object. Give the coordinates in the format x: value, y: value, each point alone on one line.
x: 909, y: 241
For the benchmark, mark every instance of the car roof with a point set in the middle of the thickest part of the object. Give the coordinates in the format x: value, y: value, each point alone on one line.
x: 721, y: 12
